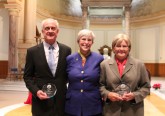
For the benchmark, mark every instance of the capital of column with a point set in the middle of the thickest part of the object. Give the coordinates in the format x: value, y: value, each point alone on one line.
x: 84, y: 8
x: 13, y: 8
x: 127, y: 8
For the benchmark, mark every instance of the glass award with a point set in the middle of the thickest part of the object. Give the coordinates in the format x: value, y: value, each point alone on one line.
x: 122, y: 89
x: 50, y: 89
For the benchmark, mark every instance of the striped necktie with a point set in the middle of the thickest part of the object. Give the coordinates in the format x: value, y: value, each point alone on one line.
x: 51, y: 60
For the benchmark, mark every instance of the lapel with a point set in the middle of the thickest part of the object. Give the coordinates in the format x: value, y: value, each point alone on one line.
x: 78, y: 60
x: 42, y: 57
x: 60, y: 58
x: 114, y: 68
x: 128, y: 65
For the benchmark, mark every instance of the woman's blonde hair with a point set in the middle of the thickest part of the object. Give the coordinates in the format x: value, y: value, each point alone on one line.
x: 119, y: 38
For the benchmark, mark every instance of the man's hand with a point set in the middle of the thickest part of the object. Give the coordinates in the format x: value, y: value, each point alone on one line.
x: 42, y: 95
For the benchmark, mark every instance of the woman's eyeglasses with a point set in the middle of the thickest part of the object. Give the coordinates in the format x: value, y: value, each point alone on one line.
x: 119, y: 46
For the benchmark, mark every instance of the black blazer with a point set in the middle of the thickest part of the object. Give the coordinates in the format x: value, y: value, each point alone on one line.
x: 37, y: 73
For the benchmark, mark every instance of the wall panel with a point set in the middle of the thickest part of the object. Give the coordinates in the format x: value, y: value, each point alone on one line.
x: 68, y: 36
x: 162, y: 44
x: 99, y: 40
x: 3, y: 69
x: 156, y: 69
x: 147, y: 44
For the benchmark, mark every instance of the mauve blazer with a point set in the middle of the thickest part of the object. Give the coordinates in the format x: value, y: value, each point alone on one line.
x: 134, y: 75
x: 37, y: 73
x: 83, y: 97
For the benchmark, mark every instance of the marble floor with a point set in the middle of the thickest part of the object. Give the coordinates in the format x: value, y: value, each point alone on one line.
x: 14, y: 93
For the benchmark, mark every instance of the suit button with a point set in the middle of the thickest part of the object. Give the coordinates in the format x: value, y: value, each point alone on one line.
x: 82, y: 72
x: 81, y: 90
x: 82, y: 81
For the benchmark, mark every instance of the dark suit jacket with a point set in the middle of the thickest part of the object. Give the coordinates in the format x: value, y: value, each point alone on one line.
x: 37, y: 73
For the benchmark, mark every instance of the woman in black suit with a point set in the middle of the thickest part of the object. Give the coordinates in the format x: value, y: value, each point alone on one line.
x: 37, y: 72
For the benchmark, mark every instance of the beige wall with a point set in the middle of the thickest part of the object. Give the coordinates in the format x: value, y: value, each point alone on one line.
x: 4, y: 34
x: 147, y: 41
x: 147, y: 36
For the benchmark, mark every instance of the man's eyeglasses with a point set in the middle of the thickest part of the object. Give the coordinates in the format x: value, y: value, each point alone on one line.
x: 52, y: 28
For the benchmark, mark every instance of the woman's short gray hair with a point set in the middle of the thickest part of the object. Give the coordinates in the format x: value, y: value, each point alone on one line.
x: 85, y: 32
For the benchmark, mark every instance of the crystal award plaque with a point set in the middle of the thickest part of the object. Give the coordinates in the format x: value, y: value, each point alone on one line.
x: 122, y: 89
x: 50, y: 89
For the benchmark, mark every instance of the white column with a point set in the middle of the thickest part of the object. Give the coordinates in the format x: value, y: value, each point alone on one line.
x: 21, y: 24
x: 127, y: 21
x: 30, y: 21
x: 85, y: 20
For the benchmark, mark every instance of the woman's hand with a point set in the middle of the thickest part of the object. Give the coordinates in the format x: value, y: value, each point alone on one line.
x: 114, y: 96
x: 128, y: 96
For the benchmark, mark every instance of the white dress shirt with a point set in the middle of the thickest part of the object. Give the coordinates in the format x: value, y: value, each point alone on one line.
x: 55, y: 52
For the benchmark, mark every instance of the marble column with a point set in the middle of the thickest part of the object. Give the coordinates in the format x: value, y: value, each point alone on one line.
x: 13, y: 37
x: 123, y: 20
x: 127, y: 21
x: 22, y: 27
x: 85, y: 19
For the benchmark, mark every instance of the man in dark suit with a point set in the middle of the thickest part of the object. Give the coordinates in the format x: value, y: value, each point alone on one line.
x: 37, y: 72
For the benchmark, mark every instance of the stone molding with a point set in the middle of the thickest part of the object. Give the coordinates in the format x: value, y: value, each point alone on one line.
x: 151, y: 17
x: 100, y: 21
x: 116, y: 3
